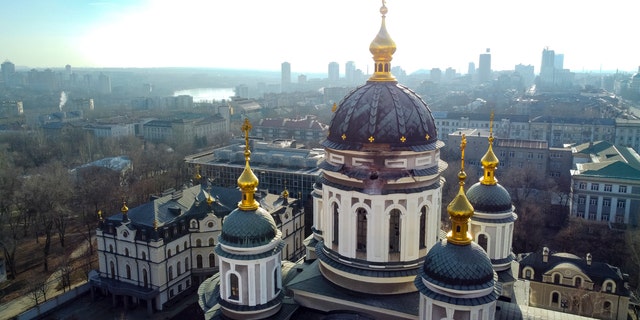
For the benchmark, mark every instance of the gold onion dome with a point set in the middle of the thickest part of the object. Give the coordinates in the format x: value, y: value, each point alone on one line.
x: 247, y: 182
x: 124, y: 208
x: 460, y: 209
x: 489, y: 161
x: 382, y: 47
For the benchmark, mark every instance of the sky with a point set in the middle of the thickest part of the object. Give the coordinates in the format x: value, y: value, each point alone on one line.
x: 260, y: 34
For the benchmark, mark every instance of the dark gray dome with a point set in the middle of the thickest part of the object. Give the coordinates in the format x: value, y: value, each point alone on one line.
x: 248, y: 228
x: 382, y: 113
x: 458, y: 267
x: 489, y: 198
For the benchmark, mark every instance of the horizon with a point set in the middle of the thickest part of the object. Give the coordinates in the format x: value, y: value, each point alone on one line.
x: 309, y: 35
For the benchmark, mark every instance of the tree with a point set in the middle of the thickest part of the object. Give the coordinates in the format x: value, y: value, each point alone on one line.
x: 10, y: 237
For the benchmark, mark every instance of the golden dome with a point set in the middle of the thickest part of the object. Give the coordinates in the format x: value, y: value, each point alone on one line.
x: 460, y: 209
x: 247, y: 182
x: 489, y: 161
x: 124, y: 208
x: 382, y: 47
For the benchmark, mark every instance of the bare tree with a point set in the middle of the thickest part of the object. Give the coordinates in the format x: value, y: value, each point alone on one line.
x: 38, y: 290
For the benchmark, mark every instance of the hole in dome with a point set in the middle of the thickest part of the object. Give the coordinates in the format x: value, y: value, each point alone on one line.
x: 374, y: 175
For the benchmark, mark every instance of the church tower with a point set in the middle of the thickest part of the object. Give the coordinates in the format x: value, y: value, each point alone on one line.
x: 457, y: 279
x: 377, y: 203
x: 493, y: 221
x: 249, y: 250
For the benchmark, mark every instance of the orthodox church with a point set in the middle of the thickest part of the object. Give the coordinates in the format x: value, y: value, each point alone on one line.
x: 376, y: 250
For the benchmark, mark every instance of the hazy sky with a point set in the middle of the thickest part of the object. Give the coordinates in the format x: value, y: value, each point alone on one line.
x: 260, y: 34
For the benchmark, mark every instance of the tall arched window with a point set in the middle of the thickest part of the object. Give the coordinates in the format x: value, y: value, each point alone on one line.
x: 212, y: 260
x: 170, y: 272
x: 169, y: 253
x: 128, y: 268
x: 144, y: 255
x: 178, y: 268
x: 113, y: 270
x: 211, y: 242
x: 336, y: 224
x: 394, y: 230
x: 276, y: 288
x: 198, y: 243
x: 556, y: 278
x: 423, y: 227
x: 199, y: 261
x: 186, y: 264
x: 483, y: 241
x: 145, y: 278
x: 578, y: 282
x: 361, y: 236
x: 555, y: 299
x: 126, y: 252
x: 234, y: 285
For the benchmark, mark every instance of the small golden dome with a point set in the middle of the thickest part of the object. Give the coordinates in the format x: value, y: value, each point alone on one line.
x: 490, y: 161
x: 247, y: 182
x: 382, y: 47
x: 124, y: 208
x: 460, y: 209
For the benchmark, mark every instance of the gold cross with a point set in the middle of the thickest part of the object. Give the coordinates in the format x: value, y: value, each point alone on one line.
x: 427, y: 136
x: 246, y: 127
x: 371, y: 139
x: 344, y: 136
x: 403, y: 139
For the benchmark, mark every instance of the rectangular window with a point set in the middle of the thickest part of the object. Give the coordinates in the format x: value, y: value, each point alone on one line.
x: 592, y: 215
x: 593, y: 201
x: 622, y: 189
x: 594, y: 186
x: 512, y: 154
x: 604, y: 217
x: 581, y: 200
x: 606, y: 202
x: 622, y: 203
x: 530, y: 155
x: 582, y: 185
x: 607, y: 187
x: 581, y: 214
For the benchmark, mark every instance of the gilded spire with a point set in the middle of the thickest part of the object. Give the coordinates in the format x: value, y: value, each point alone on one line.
x: 382, y: 48
x: 100, y: 215
x: 247, y: 182
x: 489, y: 160
x: 197, y: 175
x: 124, y: 211
x: 460, y: 209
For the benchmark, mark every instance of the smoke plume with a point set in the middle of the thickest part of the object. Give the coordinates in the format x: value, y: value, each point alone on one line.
x: 63, y: 99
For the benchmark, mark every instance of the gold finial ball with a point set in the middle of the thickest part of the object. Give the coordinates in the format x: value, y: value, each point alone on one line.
x: 384, y: 10
x: 462, y: 175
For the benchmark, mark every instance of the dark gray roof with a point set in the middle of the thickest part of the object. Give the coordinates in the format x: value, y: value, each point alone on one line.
x: 458, y: 267
x: 248, y: 229
x: 386, y: 111
x: 489, y: 198
x: 597, y: 271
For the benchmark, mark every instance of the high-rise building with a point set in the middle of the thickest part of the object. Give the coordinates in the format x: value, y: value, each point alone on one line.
x: 350, y: 72
x: 484, y: 67
x: 8, y: 69
x: 472, y: 68
x: 334, y: 72
x: 285, y: 71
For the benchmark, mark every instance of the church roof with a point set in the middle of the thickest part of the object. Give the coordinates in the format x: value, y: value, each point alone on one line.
x: 489, y: 198
x: 248, y: 228
x: 382, y: 114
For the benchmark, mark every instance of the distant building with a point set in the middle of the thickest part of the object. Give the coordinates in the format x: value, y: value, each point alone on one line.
x: 159, y: 252
x: 11, y: 108
x: 285, y: 74
x: 560, y: 131
x: 507, y: 126
x: 104, y: 84
x: 8, y: 69
x: 350, y: 72
x: 334, y: 72
x: 565, y: 282
x: 242, y: 91
x: 307, y: 129
x: 527, y: 74
x: 606, y: 183
x: 484, y: 67
x: 185, y: 128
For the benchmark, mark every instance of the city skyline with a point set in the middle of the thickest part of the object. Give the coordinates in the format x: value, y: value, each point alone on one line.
x: 141, y: 33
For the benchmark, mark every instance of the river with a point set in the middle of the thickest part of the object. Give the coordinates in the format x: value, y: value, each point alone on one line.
x: 207, y: 94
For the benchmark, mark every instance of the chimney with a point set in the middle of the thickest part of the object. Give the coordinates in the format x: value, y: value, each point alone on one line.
x: 589, y: 258
x: 545, y: 254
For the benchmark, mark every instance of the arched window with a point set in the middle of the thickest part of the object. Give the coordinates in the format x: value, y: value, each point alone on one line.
x: 177, y: 249
x: 578, y: 282
x: 483, y: 241
x: 144, y: 255
x: 423, y: 227
x: 211, y: 242
x: 194, y: 224
x: 556, y: 278
x: 336, y: 223
x: 212, y: 260
x: 185, y: 245
x: 128, y: 272
x: 113, y: 269
x: 606, y: 307
x: 110, y: 248
x: 394, y: 231
x: 145, y: 279
x: 170, y: 272
x: 178, y: 268
x: 528, y: 274
x: 234, y: 285
x: 126, y: 252
x: 186, y: 264
x: 555, y: 299
x: 276, y: 288
x: 198, y: 243
x: 199, y: 261
x: 361, y: 235
x: 169, y: 253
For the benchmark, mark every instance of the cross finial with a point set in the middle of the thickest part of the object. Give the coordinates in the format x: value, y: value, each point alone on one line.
x: 491, y: 127
x: 463, y: 144
x: 246, y: 127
